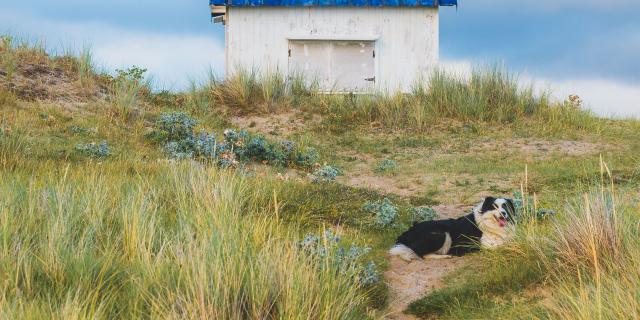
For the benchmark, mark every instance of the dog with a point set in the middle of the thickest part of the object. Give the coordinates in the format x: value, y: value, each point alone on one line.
x: 489, y: 225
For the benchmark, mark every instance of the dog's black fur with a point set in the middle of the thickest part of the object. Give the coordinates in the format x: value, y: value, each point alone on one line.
x: 429, y: 237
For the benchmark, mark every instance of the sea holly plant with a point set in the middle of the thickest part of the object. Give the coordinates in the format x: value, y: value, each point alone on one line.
x: 386, y: 166
x: 524, y: 206
x: 175, y: 131
x: 307, y: 157
x: 421, y: 214
x: 347, y: 260
x: 94, y: 150
x: 325, y: 173
x: 174, y: 126
x: 384, y: 212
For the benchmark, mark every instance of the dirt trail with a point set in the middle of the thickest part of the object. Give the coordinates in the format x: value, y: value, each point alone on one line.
x: 409, y: 282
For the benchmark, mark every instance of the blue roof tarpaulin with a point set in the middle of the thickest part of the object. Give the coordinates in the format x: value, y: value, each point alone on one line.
x: 334, y: 3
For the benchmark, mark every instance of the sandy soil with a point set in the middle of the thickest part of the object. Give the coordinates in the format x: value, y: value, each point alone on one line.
x: 541, y: 149
x: 39, y: 80
x: 275, y: 125
x: 409, y: 282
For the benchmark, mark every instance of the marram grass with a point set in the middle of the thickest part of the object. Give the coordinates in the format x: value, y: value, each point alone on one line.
x: 489, y: 95
x: 171, y: 241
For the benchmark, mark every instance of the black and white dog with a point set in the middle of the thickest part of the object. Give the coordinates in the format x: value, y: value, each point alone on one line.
x: 489, y: 225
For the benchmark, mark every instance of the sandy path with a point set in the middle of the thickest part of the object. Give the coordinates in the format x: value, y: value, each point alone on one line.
x: 409, y: 282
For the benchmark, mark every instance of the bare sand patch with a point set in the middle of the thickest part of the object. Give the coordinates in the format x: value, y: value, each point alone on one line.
x: 542, y: 148
x: 409, y: 282
x: 275, y: 125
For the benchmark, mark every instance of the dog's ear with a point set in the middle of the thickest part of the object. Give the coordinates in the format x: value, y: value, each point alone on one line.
x: 510, y: 207
x: 489, y: 204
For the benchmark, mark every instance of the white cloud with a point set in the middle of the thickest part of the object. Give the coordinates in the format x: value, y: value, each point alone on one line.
x: 557, y: 5
x: 172, y: 59
x: 605, y: 97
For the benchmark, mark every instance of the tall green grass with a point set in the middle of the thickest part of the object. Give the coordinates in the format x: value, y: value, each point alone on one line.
x: 156, y: 240
x: 257, y: 92
x: 489, y: 95
x: 596, y: 260
x: 86, y: 68
x: 128, y: 90
x: 7, y: 56
x: 585, y: 261
x: 199, y: 98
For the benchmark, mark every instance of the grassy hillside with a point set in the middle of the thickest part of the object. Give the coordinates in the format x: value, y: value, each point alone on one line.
x: 122, y: 202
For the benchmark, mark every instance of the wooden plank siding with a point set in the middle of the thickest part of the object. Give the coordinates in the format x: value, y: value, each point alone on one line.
x: 406, y: 39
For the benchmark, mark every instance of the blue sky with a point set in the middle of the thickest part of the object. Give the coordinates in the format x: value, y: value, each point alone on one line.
x: 587, y: 47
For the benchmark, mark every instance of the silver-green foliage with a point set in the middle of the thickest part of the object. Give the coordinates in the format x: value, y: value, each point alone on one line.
x: 348, y: 260
x: 386, y: 166
x: 325, y: 173
x: 421, y: 214
x: 384, y: 212
x: 94, y: 150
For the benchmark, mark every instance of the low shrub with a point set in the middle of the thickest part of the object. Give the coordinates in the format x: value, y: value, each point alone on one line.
x: 386, y: 166
x: 384, y: 212
x: 175, y: 132
x: 420, y: 214
x: 173, y: 126
x: 307, y: 156
x: 325, y: 174
x: 94, y: 150
x: 347, y: 260
x: 75, y: 129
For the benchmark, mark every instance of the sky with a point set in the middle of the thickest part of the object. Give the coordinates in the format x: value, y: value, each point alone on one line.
x: 585, y: 47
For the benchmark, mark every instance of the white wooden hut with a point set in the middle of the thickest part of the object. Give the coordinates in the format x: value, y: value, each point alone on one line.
x: 344, y: 45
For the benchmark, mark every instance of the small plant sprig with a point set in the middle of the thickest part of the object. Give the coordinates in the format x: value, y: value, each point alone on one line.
x: 129, y: 86
x: 574, y: 102
x: 134, y: 73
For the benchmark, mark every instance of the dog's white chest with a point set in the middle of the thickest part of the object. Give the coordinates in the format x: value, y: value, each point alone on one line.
x: 491, y: 240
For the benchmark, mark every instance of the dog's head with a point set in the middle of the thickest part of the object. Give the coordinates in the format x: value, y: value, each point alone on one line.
x: 497, y: 212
